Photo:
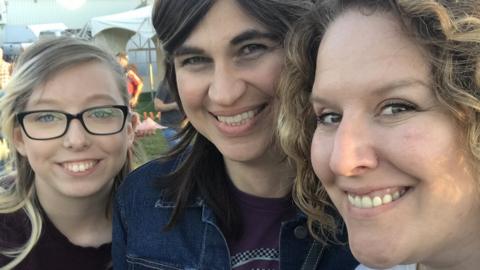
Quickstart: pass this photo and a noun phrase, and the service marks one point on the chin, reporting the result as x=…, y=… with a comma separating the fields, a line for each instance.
x=239, y=156
x=376, y=262
x=242, y=153
x=376, y=256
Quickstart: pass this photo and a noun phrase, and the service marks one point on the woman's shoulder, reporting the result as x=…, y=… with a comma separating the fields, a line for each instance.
x=146, y=180
x=15, y=228
x=151, y=171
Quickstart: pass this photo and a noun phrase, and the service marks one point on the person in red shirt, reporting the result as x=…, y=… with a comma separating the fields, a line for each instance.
x=134, y=82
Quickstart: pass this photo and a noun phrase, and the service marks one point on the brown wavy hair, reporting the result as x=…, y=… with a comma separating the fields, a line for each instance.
x=449, y=31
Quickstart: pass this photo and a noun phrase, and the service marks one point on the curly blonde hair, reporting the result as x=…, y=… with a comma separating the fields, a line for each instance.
x=450, y=33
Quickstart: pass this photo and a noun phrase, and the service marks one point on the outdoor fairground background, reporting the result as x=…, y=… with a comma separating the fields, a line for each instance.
x=153, y=145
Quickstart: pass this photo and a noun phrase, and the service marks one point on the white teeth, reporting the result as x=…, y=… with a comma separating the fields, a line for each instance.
x=79, y=166
x=368, y=202
x=377, y=201
x=238, y=119
x=387, y=198
x=357, y=200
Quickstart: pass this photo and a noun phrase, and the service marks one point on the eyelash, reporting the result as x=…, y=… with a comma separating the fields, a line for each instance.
x=46, y=117
x=253, y=48
x=194, y=60
x=403, y=106
x=250, y=50
x=321, y=118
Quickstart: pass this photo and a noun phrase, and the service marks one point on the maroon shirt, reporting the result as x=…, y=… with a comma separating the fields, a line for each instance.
x=258, y=248
x=53, y=250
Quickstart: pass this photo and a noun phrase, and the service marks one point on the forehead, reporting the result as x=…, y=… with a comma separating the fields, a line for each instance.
x=223, y=21
x=365, y=51
x=79, y=85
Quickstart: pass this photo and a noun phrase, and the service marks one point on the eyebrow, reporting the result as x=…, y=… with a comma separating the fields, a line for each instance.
x=382, y=90
x=56, y=102
x=186, y=50
x=252, y=34
x=240, y=38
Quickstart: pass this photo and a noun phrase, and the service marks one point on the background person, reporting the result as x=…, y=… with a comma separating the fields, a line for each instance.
x=225, y=203
x=170, y=115
x=134, y=82
x=65, y=116
x=380, y=109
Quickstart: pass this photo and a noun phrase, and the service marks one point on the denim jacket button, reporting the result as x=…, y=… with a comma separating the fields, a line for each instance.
x=300, y=232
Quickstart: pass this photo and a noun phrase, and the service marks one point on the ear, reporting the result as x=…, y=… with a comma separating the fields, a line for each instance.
x=18, y=141
x=129, y=125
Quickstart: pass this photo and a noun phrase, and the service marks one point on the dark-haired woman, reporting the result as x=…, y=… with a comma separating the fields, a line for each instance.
x=226, y=202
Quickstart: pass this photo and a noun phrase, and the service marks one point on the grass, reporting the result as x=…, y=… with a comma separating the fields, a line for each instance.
x=152, y=145
x=145, y=103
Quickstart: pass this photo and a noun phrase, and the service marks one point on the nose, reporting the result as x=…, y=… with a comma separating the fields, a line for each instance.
x=227, y=86
x=76, y=137
x=353, y=151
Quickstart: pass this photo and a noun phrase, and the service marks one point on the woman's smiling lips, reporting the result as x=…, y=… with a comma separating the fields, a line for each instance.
x=375, y=198
x=235, y=124
x=372, y=202
x=80, y=167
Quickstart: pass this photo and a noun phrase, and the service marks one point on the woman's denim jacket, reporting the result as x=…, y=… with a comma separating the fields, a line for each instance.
x=196, y=242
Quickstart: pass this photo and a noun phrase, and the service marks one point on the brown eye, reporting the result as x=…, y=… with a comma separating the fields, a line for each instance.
x=253, y=48
x=195, y=60
x=395, y=108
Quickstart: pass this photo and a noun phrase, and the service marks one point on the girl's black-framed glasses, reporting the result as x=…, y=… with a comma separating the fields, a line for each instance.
x=52, y=124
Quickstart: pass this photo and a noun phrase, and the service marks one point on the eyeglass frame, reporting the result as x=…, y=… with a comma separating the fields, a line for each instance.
x=125, y=110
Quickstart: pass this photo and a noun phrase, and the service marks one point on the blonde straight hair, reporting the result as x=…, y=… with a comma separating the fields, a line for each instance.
x=36, y=66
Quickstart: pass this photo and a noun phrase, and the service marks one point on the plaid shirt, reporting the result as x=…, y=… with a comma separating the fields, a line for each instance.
x=4, y=74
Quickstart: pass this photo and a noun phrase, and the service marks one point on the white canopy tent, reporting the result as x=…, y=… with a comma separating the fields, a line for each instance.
x=114, y=31
x=54, y=28
x=137, y=21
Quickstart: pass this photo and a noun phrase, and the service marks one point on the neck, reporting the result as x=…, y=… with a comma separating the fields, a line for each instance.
x=269, y=176
x=82, y=220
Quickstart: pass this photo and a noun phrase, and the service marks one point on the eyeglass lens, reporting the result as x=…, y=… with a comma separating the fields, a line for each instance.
x=51, y=124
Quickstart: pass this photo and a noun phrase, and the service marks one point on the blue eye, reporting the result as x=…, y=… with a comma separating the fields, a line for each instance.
x=328, y=119
x=102, y=113
x=47, y=117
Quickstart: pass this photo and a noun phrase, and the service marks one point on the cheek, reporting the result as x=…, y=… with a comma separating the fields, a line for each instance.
x=39, y=153
x=435, y=145
x=320, y=158
x=191, y=91
x=268, y=74
x=116, y=145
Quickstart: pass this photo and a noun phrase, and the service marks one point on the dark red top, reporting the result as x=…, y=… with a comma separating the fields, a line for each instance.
x=133, y=81
x=262, y=218
x=53, y=250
